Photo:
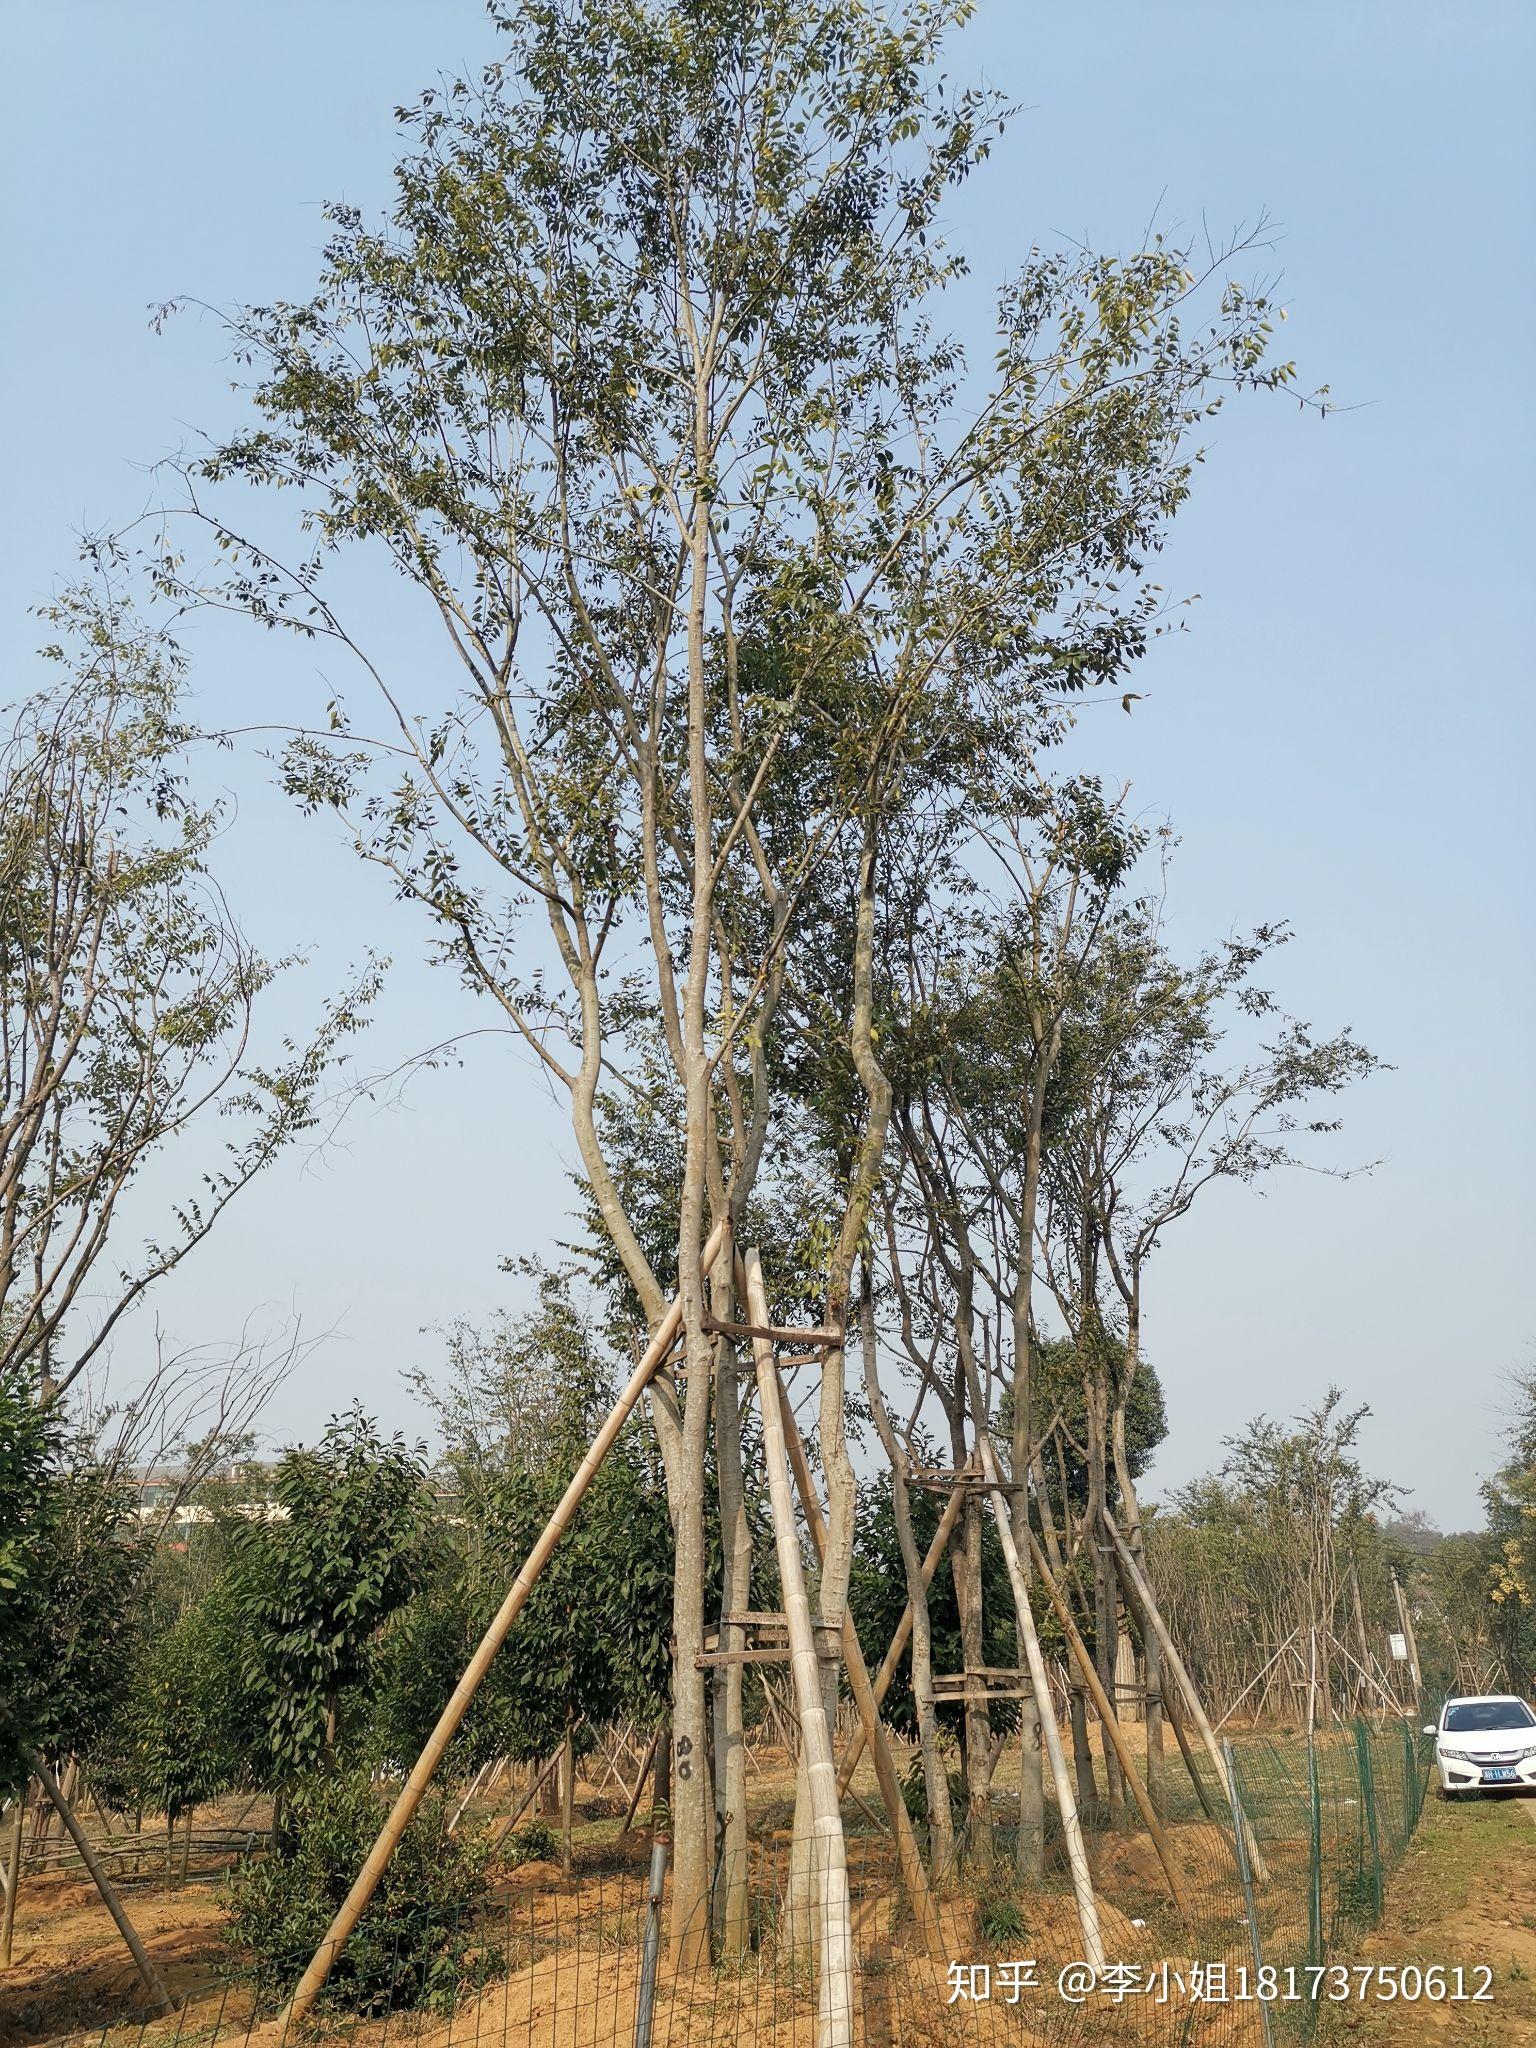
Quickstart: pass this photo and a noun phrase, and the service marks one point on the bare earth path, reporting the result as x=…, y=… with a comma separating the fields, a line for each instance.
x=1464, y=1894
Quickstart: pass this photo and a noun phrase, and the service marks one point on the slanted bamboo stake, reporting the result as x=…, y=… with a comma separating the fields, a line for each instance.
x=1367, y=1656
x=414, y=1789
x=634, y=1797
x=1111, y=1724
x=463, y=1806
x=1071, y=1827
x=103, y=1884
x=1177, y=1724
x=604, y=1756
x=914, y=1877
x=1186, y=1684
x=903, y=1635
x=836, y=1987
x=46, y=1824
x=1370, y=1678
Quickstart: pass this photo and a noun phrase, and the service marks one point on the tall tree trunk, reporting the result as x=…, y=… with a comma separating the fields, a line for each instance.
x=735, y=1598
x=1030, y=1851
x=837, y=1965
x=693, y=1807
x=965, y=1553
x=1082, y=1748
x=941, y=1825
x=800, y=1897
x=1106, y=1602
x=13, y=1862
x=693, y=1799
x=868, y=1164
x=1152, y=1656
x=966, y=1569
x=661, y=1781
x=567, y=1781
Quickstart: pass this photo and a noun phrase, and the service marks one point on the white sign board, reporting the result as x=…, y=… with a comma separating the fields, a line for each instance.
x=1399, y=1647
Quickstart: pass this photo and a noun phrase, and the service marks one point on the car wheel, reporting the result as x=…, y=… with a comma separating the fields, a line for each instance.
x=1445, y=1792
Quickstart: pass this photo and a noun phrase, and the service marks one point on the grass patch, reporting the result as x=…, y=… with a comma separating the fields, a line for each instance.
x=1464, y=1894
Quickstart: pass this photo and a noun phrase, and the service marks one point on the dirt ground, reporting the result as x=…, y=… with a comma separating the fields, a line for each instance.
x=1465, y=1894
x=70, y=1973
x=573, y=1955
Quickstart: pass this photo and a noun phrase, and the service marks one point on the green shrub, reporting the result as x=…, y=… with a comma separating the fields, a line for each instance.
x=416, y=1946
x=533, y=1843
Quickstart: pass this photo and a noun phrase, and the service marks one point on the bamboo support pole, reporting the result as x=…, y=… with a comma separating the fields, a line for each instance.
x=914, y=1876
x=414, y=1789
x=1176, y=1722
x=892, y=1658
x=1143, y=1592
x=836, y=1989
x=463, y=1806
x=634, y=1797
x=114, y=1905
x=1071, y=1826
x=1111, y=1725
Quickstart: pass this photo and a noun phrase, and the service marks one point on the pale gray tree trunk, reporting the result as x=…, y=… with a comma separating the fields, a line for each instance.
x=1152, y=1655
x=1106, y=1602
x=941, y=1826
x=966, y=1564
x=1030, y=1850
x=735, y=1598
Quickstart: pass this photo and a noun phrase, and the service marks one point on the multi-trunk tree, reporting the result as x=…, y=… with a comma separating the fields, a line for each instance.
x=641, y=391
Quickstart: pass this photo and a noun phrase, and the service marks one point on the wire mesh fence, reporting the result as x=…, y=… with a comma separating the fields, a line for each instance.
x=594, y=1960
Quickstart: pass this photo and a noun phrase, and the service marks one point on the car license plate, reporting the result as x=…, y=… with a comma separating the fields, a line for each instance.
x=1497, y=1777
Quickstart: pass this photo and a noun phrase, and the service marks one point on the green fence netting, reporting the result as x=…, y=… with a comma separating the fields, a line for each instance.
x=558, y=1962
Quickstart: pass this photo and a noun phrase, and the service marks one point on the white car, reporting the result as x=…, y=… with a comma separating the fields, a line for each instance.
x=1485, y=1741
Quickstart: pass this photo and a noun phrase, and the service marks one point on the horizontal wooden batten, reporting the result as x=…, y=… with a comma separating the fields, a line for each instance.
x=773, y=1333
x=985, y=1682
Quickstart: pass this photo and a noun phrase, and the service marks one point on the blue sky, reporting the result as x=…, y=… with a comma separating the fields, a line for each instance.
x=1343, y=739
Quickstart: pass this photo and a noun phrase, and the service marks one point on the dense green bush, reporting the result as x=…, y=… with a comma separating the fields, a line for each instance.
x=533, y=1842
x=315, y=1586
x=29, y=1450
x=69, y=1567
x=417, y=1945
x=180, y=1734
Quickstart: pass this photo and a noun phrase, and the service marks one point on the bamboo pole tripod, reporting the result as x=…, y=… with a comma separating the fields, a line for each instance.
x=837, y=1951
